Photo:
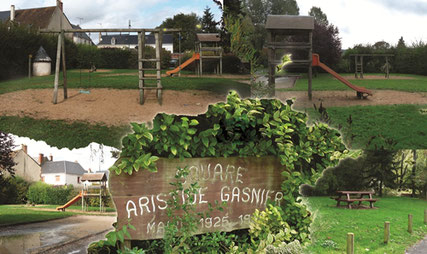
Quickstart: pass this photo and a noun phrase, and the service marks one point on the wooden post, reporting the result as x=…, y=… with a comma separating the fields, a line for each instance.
x=425, y=216
x=57, y=65
x=310, y=71
x=201, y=60
x=350, y=243
x=355, y=66
x=361, y=67
x=158, y=36
x=271, y=65
x=220, y=62
x=64, y=68
x=141, y=35
x=410, y=223
x=387, y=74
x=29, y=65
x=386, y=231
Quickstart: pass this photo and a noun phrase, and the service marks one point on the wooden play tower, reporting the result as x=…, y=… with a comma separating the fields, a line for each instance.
x=97, y=188
x=207, y=46
x=290, y=34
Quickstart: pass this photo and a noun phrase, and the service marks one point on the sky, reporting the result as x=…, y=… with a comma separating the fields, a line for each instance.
x=90, y=157
x=358, y=21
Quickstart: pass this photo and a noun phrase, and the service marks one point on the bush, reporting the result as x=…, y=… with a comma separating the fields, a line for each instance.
x=307, y=190
x=13, y=190
x=43, y=193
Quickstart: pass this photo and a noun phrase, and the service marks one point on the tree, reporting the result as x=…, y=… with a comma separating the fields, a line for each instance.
x=209, y=25
x=326, y=43
x=283, y=7
x=188, y=23
x=6, y=160
x=318, y=15
x=401, y=43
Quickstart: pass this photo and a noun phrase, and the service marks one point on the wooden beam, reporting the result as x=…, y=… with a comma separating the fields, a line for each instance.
x=64, y=67
x=57, y=65
x=111, y=30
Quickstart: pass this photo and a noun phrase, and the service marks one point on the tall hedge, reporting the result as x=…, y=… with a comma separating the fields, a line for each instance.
x=18, y=42
x=42, y=193
x=407, y=60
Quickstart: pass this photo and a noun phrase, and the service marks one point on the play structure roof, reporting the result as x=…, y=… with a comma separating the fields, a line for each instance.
x=290, y=22
x=94, y=177
x=209, y=37
x=67, y=167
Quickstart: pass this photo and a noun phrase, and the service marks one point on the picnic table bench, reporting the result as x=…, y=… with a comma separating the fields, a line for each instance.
x=355, y=196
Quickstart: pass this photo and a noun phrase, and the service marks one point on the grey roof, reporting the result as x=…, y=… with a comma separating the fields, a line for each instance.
x=4, y=16
x=67, y=167
x=127, y=39
x=83, y=36
x=290, y=22
x=42, y=56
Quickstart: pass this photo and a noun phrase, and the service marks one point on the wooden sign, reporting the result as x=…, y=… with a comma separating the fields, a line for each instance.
x=245, y=184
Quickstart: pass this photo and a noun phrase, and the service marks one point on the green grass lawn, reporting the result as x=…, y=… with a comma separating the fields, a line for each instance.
x=405, y=124
x=14, y=214
x=17, y=214
x=331, y=225
x=325, y=82
x=76, y=207
x=118, y=79
x=63, y=134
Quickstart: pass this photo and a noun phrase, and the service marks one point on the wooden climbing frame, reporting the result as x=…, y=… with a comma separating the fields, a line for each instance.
x=358, y=63
x=143, y=79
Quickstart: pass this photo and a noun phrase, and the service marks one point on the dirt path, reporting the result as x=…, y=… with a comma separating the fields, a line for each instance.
x=118, y=107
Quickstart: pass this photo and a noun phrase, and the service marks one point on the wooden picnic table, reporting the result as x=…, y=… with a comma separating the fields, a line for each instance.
x=355, y=196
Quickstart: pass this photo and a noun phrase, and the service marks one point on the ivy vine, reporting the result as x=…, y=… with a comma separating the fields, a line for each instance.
x=241, y=127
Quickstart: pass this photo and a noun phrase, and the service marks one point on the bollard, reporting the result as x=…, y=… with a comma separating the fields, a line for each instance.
x=386, y=231
x=350, y=243
x=410, y=223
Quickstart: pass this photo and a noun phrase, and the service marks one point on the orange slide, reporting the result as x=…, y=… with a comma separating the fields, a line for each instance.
x=361, y=91
x=72, y=201
x=195, y=57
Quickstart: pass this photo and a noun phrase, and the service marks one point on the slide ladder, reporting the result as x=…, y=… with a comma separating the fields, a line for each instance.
x=72, y=201
x=361, y=91
x=196, y=56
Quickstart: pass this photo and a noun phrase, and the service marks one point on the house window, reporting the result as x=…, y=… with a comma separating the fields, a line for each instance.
x=78, y=179
x=57, y=178
x=113, y=41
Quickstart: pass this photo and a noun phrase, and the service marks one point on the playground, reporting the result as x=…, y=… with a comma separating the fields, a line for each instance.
x=118, y=106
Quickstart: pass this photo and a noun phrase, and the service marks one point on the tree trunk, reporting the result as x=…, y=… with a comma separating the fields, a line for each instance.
x=414, y=167
x=381, y=188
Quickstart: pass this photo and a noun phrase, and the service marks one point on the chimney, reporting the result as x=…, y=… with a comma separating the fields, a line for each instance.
x=51, y=157
x=40, y=158
x=60, y=5
x=25, y=148
x=12, y=13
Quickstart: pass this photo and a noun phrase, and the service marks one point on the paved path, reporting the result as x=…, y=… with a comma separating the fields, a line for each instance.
x=76, y=232
x=419, y=248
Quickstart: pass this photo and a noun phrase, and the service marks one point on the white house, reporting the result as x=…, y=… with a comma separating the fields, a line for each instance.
x=131, y=41
x=62, y=173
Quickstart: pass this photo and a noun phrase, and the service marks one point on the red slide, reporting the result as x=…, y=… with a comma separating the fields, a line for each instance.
x=360, y=90
x=195, y=57
x=72, y=201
